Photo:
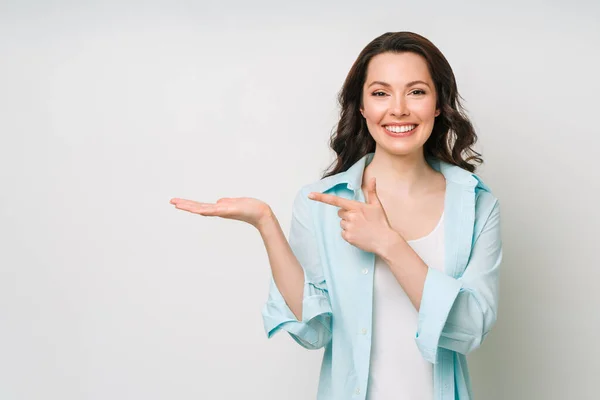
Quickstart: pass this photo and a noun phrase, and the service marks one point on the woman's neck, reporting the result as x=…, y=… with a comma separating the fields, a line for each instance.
x=405, y=175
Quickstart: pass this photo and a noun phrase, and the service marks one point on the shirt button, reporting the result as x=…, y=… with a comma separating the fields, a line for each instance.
x=357, y=391
x=365, y=271
x=363, y=331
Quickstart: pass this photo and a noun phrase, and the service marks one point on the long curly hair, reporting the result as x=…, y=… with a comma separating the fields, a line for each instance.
x=452, y=136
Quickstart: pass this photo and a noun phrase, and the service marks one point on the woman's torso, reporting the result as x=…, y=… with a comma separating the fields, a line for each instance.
x=397, y=369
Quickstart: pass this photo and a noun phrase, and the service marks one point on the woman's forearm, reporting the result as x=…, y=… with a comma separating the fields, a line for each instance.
x=406, y=265
x=286, y=269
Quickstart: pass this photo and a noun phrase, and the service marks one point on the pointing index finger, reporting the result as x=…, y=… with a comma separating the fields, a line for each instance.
x=331, y=199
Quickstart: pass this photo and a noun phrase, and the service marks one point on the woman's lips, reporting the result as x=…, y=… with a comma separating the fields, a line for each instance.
x=400, y=134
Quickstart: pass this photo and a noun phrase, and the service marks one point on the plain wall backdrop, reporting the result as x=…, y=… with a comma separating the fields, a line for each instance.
x=110, y=109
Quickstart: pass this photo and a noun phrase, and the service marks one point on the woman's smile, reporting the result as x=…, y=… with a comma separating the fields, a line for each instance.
x=400, y=131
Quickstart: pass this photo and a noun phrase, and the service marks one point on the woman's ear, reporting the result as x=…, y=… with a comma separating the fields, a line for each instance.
x=437, y=112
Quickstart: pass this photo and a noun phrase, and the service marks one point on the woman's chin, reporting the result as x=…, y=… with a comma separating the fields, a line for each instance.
x=402, y=149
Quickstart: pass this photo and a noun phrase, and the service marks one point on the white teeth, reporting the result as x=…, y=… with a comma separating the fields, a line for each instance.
x=400, y=129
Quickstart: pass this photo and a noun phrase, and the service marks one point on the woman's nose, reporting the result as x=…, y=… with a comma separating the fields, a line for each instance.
x=399, y=106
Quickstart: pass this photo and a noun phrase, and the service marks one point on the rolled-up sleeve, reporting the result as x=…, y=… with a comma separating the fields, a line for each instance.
x=458, y=313
x=314, y=331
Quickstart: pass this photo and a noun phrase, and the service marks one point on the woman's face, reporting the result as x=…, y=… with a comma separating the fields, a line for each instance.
x=398, y=94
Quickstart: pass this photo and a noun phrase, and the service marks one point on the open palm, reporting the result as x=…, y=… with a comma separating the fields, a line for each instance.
x=246, y=209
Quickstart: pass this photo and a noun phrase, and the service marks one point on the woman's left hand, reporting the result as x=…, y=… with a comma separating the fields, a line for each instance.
x=364, y=225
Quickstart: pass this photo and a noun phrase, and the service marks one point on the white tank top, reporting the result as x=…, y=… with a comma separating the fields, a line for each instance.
x=397, y=370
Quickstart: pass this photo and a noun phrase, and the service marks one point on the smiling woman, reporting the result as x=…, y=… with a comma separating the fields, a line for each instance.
x=393, y=256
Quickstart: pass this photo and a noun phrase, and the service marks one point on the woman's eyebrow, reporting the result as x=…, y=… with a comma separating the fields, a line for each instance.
x=409, y=84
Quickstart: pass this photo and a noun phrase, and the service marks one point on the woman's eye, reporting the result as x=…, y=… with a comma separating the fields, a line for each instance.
x=418, y=91
x=376, y=94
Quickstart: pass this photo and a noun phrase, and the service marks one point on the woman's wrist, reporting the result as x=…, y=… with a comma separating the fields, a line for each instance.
x=390, y=243
x=266, y=221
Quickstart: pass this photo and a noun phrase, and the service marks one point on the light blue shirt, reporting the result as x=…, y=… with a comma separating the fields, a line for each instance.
x=458, y=308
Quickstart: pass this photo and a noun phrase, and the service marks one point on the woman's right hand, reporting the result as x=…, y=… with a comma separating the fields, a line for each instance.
x=246, y=209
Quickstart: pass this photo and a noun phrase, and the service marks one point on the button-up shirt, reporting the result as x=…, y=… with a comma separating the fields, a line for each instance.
x=458, y=306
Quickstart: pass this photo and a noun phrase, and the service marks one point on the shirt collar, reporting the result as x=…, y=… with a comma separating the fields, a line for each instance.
x=353, y=176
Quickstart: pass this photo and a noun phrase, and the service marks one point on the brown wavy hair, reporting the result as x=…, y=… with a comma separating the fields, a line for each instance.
x=452, y=136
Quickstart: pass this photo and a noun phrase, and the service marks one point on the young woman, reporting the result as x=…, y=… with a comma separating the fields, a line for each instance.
x=393, y=257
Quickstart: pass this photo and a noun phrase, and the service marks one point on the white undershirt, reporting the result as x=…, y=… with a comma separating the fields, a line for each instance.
x=397, y=370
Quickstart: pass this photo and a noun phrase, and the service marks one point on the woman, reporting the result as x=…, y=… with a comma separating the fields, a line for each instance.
x=393, y=257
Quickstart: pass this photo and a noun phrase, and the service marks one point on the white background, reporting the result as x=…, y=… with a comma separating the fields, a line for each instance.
x=110, y=109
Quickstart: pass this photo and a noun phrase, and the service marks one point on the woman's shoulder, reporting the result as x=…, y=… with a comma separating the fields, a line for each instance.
x=487, y=205
x=486, y=202
x=483, y=193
